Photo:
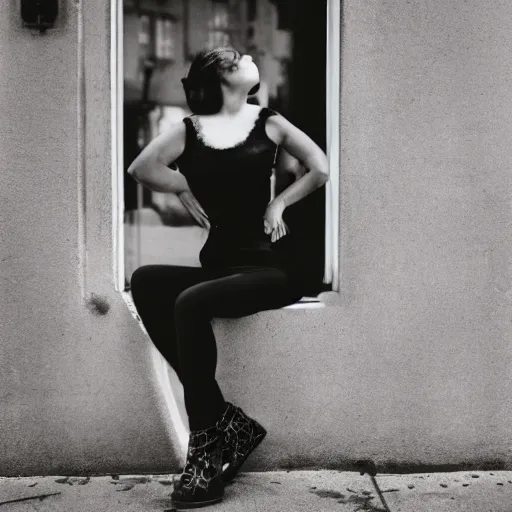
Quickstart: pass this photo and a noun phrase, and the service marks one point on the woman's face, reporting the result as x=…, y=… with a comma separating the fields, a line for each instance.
x=241, y=71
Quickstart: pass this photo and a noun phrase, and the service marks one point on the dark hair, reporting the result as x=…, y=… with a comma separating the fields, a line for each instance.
x=202, y=84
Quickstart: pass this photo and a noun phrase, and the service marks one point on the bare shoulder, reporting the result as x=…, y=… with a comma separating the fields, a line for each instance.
x=278, y=127
x=297, y=143
x=170, y=144
x=274, y=126
x=175, y=131
x=164, y=149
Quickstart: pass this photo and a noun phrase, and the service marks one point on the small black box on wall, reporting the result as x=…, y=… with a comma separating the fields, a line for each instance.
x=39, y=14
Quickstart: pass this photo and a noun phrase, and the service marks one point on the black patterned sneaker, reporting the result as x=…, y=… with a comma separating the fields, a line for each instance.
x=200, y=484
x=241, y=436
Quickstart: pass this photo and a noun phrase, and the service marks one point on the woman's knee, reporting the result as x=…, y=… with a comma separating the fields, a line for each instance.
x=186, y=304
x=138, y=278
x=143, y=278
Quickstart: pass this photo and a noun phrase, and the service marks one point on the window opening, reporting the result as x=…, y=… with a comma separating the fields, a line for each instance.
x=157, y=41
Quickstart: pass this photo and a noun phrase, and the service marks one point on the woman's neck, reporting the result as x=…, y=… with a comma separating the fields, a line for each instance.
x=233, y=102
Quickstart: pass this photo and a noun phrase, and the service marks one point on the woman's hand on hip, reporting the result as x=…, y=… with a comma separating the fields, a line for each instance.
x=273, y=220
x=195, y=209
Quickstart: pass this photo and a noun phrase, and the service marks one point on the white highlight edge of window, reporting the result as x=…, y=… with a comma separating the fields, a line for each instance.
x=333, y=106
x=116, y=102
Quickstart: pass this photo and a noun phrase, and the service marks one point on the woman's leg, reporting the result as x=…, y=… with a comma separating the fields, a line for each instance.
x=239, y=294
x=155, y=289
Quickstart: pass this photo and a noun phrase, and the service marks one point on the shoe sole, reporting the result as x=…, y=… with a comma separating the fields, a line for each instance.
x=196, y=504
x=231, y=472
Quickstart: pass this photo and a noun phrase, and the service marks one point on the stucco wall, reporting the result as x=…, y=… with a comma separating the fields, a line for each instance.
x=78, y=390
x=410, y=364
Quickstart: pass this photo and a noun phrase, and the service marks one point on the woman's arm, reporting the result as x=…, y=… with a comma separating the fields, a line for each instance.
x=306, y=151
x=287, y=170
x=150, y=168
x=309, y=155
x=172, y=211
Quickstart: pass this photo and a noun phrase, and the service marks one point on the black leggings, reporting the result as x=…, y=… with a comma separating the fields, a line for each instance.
x=176, y=305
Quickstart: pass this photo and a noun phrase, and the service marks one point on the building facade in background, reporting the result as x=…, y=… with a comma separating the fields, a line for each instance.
x=165, y=35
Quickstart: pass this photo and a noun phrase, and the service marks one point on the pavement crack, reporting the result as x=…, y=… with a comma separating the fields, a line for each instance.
x=25, y=498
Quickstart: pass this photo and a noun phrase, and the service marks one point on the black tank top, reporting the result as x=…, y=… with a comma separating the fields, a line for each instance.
x=233, y=187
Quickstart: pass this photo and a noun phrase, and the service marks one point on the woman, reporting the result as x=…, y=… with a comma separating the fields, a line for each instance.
x=225, y=153
x=184, y=210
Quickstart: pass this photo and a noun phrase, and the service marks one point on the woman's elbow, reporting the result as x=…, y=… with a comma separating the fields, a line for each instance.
x=322, y=177
x=137, y=172
x=321, y=167
x=132, y=170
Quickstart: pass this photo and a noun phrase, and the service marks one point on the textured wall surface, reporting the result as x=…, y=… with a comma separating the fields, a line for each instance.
x=77, y=388
x=410, y=365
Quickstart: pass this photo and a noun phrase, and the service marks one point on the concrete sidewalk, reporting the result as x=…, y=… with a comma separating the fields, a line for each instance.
x=301, y=491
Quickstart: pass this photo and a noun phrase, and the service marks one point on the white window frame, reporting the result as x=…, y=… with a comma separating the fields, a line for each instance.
x=116, y=101
x=333, y=115
x=333, y=105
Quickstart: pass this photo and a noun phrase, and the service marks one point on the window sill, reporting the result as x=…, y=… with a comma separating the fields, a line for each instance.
x=306, y=303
